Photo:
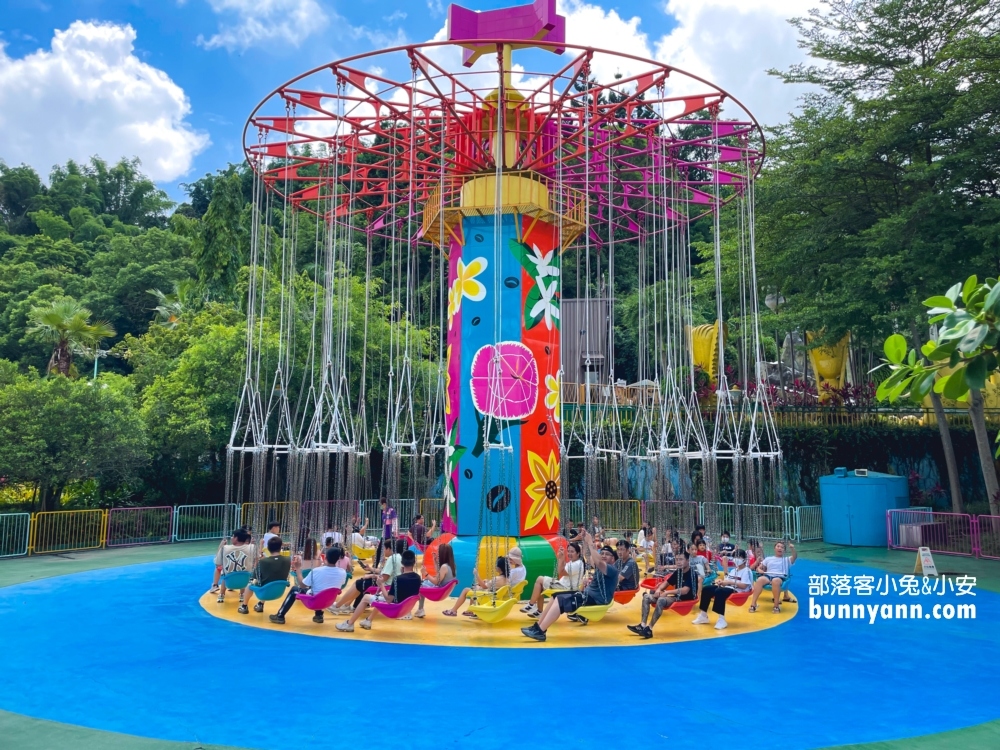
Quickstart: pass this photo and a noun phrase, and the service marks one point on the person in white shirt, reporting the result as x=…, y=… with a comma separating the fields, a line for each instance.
x=569, y=569
x=238, y=557
x=738, y=579
x=775, y=570
x=328, y=576
x=273, y=530
x=518, y=572
x=358, y=538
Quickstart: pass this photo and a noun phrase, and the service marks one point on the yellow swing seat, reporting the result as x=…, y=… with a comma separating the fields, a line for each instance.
x=490, y=612
x=593, y=612
x=518, y=590
x=487, y=597
x=363, y=553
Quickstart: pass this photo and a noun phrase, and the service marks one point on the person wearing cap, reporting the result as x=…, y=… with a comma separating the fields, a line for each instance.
x=518, y=572
x=599, y=591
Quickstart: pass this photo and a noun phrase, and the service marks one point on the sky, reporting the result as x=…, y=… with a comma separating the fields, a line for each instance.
x=173, y=81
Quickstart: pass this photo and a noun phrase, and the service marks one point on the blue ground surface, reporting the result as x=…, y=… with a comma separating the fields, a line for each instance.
x=130, y=650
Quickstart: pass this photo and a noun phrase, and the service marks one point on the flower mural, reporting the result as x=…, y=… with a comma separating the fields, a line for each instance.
x=546, y=304
x=552, y=396
x=504, y=382
x=543, y=491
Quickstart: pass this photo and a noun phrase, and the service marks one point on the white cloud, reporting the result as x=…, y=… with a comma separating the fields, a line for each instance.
x=251, y=22
x=732, y=43
x=89, y=94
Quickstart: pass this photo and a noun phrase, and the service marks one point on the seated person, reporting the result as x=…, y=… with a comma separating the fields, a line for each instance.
x=445, y=572
x=402, y=587
x=700, y=530
x=600, y=591
x=666, y=557
x=738, y=579
x=628, y=571
x=685, y=586
x=389, y=568
x=726, y=547
x=498, y=581
x=569, y=568
x=274, y=567
x=596, y=530
x=309, y=559
x=418, y=532
x=327, y=576
x=273, y=530
x=646, y=542
x=358, y=538
x=699, y=563
x=518, y=572
x=237, y=556
x=578, y=533
x=775, y=570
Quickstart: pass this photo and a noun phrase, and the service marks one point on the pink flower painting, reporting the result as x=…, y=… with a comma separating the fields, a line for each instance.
x=505, y=380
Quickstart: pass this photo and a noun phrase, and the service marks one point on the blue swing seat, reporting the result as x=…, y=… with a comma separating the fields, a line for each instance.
x=237, y=580
x=270, y=591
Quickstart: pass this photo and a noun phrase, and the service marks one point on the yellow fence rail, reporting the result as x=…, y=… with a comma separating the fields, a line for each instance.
x=68, y=531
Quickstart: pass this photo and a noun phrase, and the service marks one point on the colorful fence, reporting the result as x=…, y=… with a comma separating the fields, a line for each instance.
x=259, y=516
x=67, y=530
x=195, y=523
x=758, y=521
x=945, y=533
x=131, y=527
x=15, y=534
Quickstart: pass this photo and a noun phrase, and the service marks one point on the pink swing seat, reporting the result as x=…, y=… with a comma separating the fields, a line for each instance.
x=395, y=610
x=437, y=593
x=317, y=602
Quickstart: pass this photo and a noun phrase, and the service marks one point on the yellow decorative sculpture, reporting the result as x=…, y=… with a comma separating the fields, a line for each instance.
x=705, y=348
x=829, y=364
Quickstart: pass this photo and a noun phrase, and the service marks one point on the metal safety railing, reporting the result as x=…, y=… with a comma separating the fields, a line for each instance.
x=15, y=534
x=67, y=530
x=678, y=515
x=757, y=521
x=131, y=527
x=945, y=533
x=195, y=523
x=808, y=523
x=432, y=509
x=988, y=534
x=259, y=516
x=406, y=509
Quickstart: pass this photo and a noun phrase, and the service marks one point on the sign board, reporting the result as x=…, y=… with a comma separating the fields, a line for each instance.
x=925, y=563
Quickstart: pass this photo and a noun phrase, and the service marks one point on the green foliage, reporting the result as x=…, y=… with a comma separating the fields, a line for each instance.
x=67, y=326
x=225, y=235
x=885, y=184
x=56, y=430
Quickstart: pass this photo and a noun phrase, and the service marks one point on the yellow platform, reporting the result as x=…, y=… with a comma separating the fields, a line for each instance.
x=437, y=630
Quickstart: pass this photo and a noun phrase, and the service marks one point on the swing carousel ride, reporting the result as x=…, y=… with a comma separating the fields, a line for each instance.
x=433, y=289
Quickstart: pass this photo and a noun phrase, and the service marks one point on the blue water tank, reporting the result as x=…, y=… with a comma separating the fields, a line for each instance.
x=854, y=506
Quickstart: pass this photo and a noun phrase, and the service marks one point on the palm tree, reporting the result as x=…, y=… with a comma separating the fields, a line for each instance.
x=67, y=325
x=185, y=298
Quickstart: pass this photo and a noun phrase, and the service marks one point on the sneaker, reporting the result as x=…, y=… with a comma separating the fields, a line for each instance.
x=637, y=629
x=647, y=632
x=536, y=614
x=582, y=620
x=221, y=599
x=346, y=609
x=419, y=613
x=701, y=619
x=529, y=608
x=534, y=632
x=573, y=618
x=721, y=623
x=214, y=589
x=366, y=624
x=406, y=617
x=344, y=627
x=277, y=619
x=243, y=610
x=258, y=607
x=318, y=617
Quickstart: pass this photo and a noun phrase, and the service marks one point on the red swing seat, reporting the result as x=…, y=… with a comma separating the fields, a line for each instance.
x=683, y=608
x=624, y=597
x=739, y=598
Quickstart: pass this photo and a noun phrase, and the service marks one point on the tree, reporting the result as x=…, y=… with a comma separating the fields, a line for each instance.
x=67, y=325
x=220, y=253
x=56, y=430
x=957, y=364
